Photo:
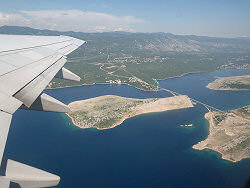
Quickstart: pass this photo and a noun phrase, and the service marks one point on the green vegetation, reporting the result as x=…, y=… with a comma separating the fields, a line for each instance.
x=238, y=86
x=138, y=59
x=244, y=111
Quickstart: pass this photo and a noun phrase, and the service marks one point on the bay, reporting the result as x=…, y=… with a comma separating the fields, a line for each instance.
x=149, y=150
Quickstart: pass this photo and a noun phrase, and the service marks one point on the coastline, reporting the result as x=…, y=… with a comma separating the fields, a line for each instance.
x=201, y=144
x=166, y=78
x=112, y=126
x=227, y=89
x=152, y=106
x=157, y=80
x=160, y=79
x=124, y=118
x=206, y=144
x=206, y=150
x=178, y=142
x=221, y=83
x=99, y=84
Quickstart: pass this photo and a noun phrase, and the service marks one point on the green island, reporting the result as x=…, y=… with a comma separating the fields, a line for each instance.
x=108, y=111
x=140, y=59
x=229, y=134
x=231, y=83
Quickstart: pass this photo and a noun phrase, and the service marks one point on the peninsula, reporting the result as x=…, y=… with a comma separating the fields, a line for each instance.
x=229, y=134
x=108, y=111
x=231, y=83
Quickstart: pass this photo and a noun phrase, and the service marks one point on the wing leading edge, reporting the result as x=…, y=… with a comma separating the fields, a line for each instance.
x=27, y=65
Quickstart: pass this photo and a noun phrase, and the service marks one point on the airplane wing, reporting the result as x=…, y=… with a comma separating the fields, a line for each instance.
x=27, y=65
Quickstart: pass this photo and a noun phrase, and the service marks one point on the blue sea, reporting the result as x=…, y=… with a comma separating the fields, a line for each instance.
x=147, y=151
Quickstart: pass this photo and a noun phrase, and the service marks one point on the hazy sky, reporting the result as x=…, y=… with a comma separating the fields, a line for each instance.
x=226, y=18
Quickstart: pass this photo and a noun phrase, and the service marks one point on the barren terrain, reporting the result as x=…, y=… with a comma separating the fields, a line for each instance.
x=231, y=83
x=108, y=111
x=229, y=134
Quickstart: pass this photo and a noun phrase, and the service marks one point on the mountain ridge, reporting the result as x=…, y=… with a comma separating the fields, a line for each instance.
x=146, y=41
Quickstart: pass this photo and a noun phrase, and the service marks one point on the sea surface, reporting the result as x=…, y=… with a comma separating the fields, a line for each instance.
x=147, y=151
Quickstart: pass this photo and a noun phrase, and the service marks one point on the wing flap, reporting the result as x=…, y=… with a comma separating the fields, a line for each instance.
x=30, y=92
x=9, y=104
x=14, y=81
x=26, y=176
x=67, y=75
x=4, y=182
x=28, y=64
x=47, y=103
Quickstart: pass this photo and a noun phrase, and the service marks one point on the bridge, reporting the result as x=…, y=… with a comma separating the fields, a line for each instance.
x=208, y=107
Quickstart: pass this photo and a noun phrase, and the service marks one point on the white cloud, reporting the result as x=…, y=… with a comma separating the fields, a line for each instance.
x=65, y=20
x=4, y=17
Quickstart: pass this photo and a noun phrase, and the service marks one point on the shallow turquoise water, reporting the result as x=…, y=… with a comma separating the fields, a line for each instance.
x=149, y=150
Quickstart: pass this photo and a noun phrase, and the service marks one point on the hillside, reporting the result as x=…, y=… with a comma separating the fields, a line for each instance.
x=138, y=59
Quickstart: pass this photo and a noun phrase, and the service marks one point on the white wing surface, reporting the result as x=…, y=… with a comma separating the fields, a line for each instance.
x=27, y=65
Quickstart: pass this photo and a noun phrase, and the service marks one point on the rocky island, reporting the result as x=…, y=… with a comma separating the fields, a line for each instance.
x=231, y=83
x=108, y=111
x=187, y=125
x=229, y=134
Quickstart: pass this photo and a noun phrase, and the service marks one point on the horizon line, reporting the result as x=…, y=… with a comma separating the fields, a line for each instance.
x=129, y=32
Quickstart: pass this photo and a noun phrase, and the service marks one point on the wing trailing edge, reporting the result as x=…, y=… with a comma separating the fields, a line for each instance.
x=67, y=75
x=27, y=65
x=25, y=176
x=47, y=103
